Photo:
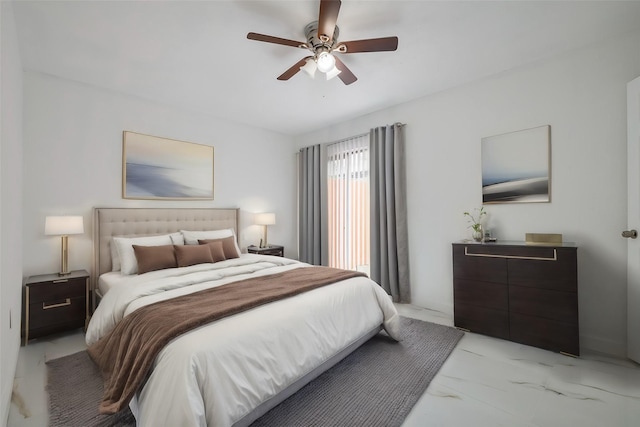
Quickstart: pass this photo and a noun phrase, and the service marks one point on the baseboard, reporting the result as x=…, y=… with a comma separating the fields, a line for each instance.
x=603, y=345
x=436, y=306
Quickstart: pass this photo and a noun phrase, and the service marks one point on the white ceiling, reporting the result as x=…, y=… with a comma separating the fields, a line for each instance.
x=195, y=55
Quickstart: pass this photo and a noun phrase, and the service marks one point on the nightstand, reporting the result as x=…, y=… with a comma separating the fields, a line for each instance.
x=54, y=303
x=276, y=250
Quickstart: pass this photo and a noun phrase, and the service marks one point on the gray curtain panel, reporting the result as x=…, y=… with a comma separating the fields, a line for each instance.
x=312, y=198
x=389, y=235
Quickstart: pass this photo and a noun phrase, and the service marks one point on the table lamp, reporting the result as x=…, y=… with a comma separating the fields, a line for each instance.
x=63, y=226
x=265, y=219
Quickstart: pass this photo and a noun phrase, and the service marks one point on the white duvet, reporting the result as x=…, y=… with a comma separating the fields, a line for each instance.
x=217, y=374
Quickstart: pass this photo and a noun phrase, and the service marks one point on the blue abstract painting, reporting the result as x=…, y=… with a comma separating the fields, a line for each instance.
x=516, y=167
x=162, y=168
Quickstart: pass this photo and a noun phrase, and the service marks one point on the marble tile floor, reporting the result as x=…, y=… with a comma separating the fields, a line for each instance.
x=485, y=382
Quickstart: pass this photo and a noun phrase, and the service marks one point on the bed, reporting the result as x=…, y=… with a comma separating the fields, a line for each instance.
x=233, y=370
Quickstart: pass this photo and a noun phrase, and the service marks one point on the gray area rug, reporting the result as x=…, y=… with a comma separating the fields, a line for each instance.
x=376, y=385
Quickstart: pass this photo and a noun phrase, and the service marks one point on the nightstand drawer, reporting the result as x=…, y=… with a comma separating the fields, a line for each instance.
x=57, y=290
x=275, y=250
x=56, y=312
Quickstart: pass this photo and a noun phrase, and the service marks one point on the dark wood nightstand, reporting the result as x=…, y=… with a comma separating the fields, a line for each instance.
x=54, y=303
x=276, y=250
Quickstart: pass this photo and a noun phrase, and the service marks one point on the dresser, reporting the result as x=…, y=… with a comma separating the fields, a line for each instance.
x=519, y=292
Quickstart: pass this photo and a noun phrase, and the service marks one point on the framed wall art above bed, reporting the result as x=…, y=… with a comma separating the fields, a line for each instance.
x=165, y=169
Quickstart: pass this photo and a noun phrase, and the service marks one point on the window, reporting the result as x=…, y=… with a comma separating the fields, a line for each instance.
x=348, y=203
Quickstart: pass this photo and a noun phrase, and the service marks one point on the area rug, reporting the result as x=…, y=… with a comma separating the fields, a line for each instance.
x=377, y=385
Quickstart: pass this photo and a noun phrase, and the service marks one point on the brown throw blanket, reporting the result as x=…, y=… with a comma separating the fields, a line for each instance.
x=126, y=354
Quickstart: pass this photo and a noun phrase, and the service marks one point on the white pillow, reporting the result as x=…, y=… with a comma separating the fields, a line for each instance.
x=192, y=237
x=115, y=258
x=177, y=238
x=126, y=257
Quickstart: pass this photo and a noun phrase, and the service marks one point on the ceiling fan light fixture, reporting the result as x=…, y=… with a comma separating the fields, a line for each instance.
x=322, y=40
x=332, y=73
x=325, y=61
x=310, y=67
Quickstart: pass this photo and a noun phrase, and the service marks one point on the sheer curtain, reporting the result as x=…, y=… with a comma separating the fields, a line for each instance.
x=389, y=235
x=348, y=203
x=312, y=198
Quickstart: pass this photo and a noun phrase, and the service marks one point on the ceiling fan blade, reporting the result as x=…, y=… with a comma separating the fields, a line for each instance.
x=276, y=40
x=368, y=45
x=293, y=70
x=346, y=75
x=327, y=19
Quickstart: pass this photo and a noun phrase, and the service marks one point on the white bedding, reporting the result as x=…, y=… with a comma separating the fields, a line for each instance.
x=111, y=279
x=217, y=374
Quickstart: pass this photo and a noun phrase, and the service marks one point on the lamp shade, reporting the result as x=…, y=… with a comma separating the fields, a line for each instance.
x=265, y=219
x=310, y=67
x=332, y=73
x=63, y=225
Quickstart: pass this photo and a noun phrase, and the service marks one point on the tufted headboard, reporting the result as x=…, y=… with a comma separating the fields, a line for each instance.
x=131, y=222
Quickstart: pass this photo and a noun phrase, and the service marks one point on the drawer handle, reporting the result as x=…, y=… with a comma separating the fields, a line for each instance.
x=555, y=256
x=62, y=304
x=61, y=281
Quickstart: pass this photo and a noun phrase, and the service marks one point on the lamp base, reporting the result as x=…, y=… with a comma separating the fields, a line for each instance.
x=264, y=244
x=64, y=257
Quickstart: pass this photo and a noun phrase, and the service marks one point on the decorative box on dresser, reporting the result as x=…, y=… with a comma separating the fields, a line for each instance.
x=54, y=303
x=519, y=292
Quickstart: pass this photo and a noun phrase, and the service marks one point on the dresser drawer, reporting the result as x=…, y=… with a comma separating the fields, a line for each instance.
x=484, y=294
x=482, y=320
x=57, y=290
x=545, y=333
x=467, y=265
x=560, y=274
x=552, y=305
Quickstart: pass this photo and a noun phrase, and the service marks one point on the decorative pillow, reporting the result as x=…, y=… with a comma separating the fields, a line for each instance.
x=174, y=238
x=151, y=258
x=187, y=255
x=217, y=251
x=229, y=246
x=124, y=245
x=192, y=237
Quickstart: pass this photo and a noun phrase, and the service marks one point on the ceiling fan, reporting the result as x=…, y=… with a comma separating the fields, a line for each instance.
x=322, y=41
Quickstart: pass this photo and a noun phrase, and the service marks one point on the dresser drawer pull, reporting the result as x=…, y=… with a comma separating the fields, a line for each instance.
x=62, y=304
x=554, y=258
x=61, y=281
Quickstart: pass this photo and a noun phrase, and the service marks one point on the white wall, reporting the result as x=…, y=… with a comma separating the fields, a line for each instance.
x=73, y=162
x=582, y=96
x=10, y=205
